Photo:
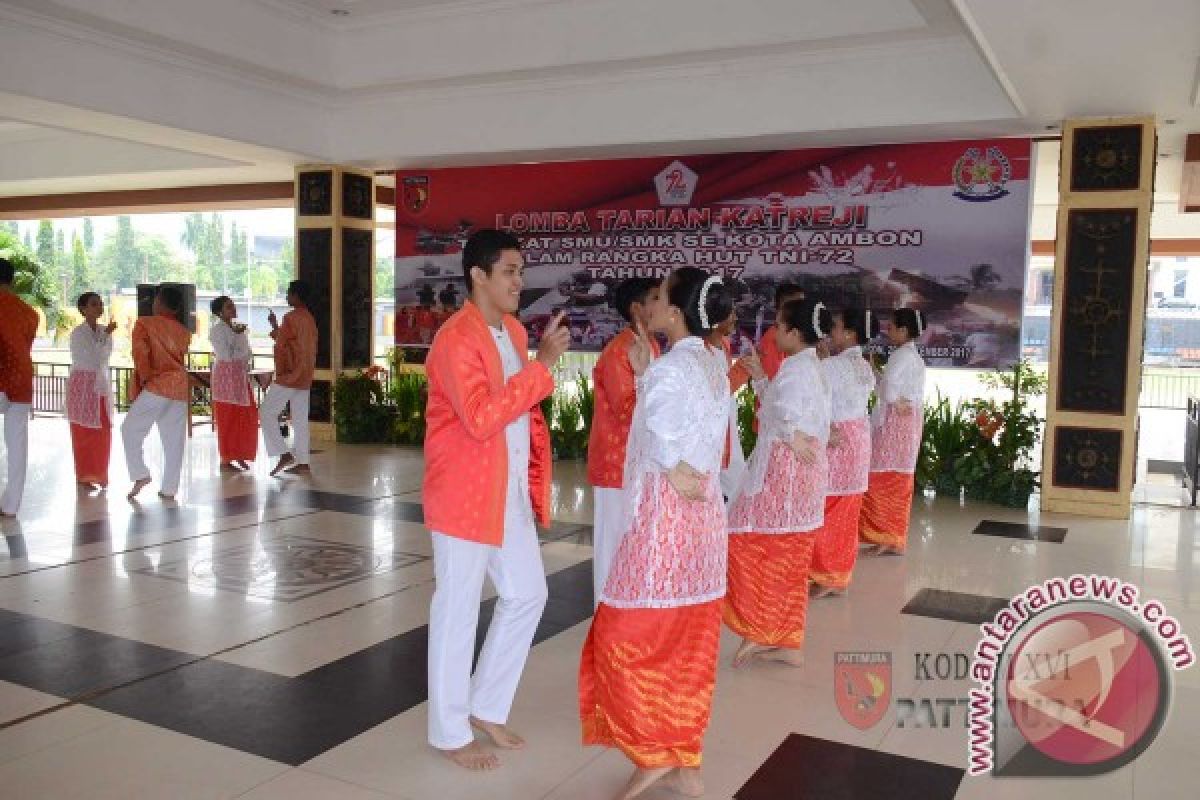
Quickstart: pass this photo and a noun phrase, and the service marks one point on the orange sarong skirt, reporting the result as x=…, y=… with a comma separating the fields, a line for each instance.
x=92, y=447
x=886, y=508
x=237, y=431
x=766, y=600
x=837, y=542
x=646, y=681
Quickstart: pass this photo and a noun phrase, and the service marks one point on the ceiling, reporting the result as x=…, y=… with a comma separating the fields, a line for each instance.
x=129, y=93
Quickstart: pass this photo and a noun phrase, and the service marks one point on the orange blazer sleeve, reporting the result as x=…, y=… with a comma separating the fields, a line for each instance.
x=484, y=410
x=141, y=353
x=620, y=386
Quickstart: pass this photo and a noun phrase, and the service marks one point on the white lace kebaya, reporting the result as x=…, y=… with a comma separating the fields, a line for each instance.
x=673, y=551
x=89, y=382
x=782, y=494
x=851, y=381
x=896, y=437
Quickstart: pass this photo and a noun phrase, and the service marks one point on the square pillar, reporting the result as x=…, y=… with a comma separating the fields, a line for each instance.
x=1097, y=323
x=335, y=255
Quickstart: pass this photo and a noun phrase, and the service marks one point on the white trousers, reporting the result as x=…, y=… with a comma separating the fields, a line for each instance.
x=171, y=418
x=16, y=446
x=459, y=567
x=606, y=535
x=268, y=415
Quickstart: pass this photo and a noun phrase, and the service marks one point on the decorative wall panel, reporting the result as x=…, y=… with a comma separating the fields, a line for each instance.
x=314, y=194
x=356, y=296
x=1087, y=458
x=356, y=196
x=1097, y=300
x=314, y=264
x=1107, y=158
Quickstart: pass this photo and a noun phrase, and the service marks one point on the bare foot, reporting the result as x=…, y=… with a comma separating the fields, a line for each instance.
x=138, y=485
x=501, y=735
x=819, y=591
x=243, y=464
x=228, y=467
x=642, y=780
x=782, y=655
x=747, y=653
x=887, y=550
x=685, y=781
x=7, y=515
x=285, y=460
x=474, y=757
x=166, y=496
x=300, y=469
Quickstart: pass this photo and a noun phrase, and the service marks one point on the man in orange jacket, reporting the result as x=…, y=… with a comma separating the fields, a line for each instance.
x=18, y=328
x=487, y=473
x=616, y=394
x=163, y=390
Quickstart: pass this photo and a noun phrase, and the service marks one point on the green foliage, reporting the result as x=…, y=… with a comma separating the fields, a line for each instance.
x=408, y=394
x=81, y=276
x=89, y=235
x=128, y=258
x=745, y=419
x=359, y=414
x=948, y=436
x=33, y=282
x=983, y=446
x=45, y=244
x=385, y=276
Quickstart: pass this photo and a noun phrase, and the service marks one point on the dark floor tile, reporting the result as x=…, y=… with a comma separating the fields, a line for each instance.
x=806, y=768
x=290, y=720
x=1018, y=530
x=83, y=661
x=975, y=609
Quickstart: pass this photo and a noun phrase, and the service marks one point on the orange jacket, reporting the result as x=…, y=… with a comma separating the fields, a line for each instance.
x=616, y=394
x=160, y=348
x=296, y=349
x=470, y=404
x=18, y=328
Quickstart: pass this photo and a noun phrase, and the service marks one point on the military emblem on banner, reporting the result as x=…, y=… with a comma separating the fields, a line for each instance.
x=862, y=687
x=981, y=175
x=415, y=193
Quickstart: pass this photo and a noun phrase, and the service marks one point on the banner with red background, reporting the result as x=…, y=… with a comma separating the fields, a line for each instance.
x=938, y=226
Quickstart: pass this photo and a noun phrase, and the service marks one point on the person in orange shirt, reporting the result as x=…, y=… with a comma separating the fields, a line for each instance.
x=487, y=475
x=161, y=384
x=295, y=361
x=18, y=328
x=615, y=396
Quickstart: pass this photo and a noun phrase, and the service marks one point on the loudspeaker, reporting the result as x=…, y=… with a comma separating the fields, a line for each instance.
x=186, y=317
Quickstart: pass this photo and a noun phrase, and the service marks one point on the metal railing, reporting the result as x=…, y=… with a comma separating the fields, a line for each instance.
x=1169, y=388
x=1191, y=447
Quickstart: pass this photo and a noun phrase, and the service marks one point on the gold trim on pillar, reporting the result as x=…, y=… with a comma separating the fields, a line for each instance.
x=1102, y=248
x=335, y=205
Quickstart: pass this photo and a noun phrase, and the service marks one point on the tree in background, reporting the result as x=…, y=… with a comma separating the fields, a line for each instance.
x=45, y=245
x=32, y=282
x=89, y=236
x=127, y=258
x=10, y=226
x=385, y=276
x=81, y=276
x=28, y=241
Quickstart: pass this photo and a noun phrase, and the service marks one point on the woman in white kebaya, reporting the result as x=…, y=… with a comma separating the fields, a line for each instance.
x=649, y=666
x=774, y=518
x=851, y=381
x=896, y=424
x=89, y=393
x=234, y=414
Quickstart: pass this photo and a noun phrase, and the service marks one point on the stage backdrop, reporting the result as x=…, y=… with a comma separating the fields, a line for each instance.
x=939, y=226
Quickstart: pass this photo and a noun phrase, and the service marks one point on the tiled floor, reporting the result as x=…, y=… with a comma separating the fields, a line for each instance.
x=265, y=638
